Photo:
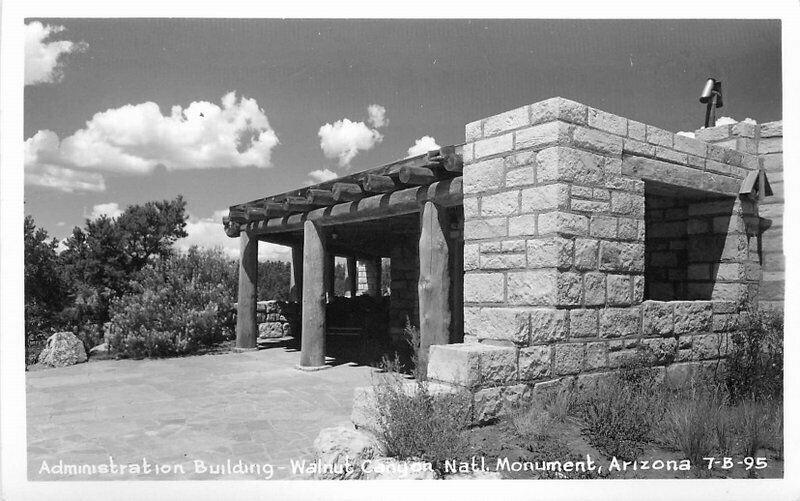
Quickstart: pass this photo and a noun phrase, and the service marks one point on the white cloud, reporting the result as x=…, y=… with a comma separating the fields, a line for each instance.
x=208, y=232
x=42, y=58
x=684, y=133
x=377, y=116
x=343, y=139
x=322, y=175
x=110, y=209
x=423, y=145
x=135, y=139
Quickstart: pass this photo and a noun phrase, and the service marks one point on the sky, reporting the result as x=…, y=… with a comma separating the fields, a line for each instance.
x=124, y=111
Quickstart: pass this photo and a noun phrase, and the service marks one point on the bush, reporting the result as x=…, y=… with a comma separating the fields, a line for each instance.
x=536, y=421
x=697, y=426
x=752, y=420
x=416, y=423
x=620, y=414
x=179, y=304
x=755, y=364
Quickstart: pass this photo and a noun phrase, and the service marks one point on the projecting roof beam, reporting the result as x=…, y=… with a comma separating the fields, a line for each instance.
x=343, y=192
x=378, y=184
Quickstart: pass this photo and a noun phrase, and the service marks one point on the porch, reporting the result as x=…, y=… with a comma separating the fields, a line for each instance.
x=407, y=215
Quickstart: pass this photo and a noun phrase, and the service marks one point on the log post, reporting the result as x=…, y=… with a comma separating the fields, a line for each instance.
x=312, y=344
x=330, y=276
x=352, y=276
x=457, y=278
x=373, y=270
x=296, y=284
x=246, y=328
x=434, y=280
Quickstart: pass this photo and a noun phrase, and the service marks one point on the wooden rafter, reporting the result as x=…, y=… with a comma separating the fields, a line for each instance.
x=420, y=171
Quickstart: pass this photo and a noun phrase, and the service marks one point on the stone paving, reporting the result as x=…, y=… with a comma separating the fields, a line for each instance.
x=252, y=406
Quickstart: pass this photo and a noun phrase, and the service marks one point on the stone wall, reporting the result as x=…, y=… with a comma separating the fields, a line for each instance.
x=766, y=141
x=555, y=254
x=276, y=320
x=770, y=149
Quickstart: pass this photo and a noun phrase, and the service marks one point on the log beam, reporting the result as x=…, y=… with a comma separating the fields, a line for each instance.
x=298, y=204
x=434, y=280
x=445, y=193
x=343, y=192
x=379, y=184
x=246, y=328
x=417, y=175
x=312, y=343
x=320, y=197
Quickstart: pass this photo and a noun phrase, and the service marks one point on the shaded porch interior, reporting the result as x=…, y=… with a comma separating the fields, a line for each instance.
x=406, y=216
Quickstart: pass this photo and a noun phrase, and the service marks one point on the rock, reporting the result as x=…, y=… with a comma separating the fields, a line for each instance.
x=339, y=452
x=99, y=351
x=62, y=349
x=271, y=306
x=395, y=469
x=269, y=330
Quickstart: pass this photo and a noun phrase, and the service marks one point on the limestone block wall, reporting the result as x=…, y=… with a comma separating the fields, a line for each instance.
x=766, y=141
x=277, y=319
x=770, y=149
x=555, y=258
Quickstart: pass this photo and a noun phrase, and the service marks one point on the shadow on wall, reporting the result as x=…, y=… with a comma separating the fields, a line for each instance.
x=690, y=235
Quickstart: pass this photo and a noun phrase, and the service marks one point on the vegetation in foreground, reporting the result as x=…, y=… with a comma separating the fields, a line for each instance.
x=632, y=415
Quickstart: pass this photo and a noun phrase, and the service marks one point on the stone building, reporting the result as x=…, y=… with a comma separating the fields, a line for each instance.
x=554, y=243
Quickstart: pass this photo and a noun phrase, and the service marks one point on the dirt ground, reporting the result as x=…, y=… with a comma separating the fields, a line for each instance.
x=566, y=442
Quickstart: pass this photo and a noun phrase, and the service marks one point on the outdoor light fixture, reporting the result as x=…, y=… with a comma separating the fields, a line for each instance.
x=712, y=98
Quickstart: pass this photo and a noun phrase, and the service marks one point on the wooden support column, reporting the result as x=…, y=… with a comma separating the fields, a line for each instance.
x=434, y=280
x=296, y=285
x=312, y=344
x=246, y=328
x=457, y=276
x=330, y=276
x=352, y=276
x=373, y=270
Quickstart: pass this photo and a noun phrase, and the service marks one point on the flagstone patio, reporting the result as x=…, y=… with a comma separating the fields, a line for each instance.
x=252, y=406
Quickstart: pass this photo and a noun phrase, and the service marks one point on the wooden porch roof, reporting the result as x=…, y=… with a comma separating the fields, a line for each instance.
x=393, y=189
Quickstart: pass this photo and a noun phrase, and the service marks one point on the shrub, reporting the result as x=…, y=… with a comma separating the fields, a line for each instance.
x=752, y=421
x=620, y=414
x=418, y=423
x=755, y=364
x=536, y=421
x=695, y=425
x=177, y=306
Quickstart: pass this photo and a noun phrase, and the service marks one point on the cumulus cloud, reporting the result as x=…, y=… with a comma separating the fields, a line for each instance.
x=135, y=139
x=322, y=175
x=208, y=232
x=343, y=139
x=42, y=58
x=377, y=116
x=110, y=209
x=423, y=145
